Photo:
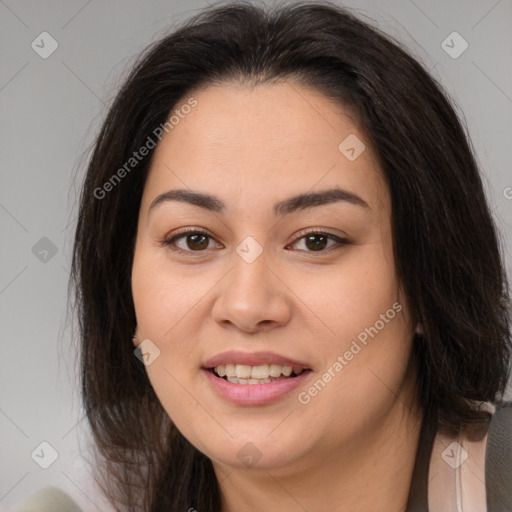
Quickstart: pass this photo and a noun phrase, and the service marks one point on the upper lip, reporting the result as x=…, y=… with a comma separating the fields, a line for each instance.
x=252, y=359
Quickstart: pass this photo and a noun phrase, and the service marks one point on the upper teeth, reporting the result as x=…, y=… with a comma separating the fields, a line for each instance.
x=263, y=371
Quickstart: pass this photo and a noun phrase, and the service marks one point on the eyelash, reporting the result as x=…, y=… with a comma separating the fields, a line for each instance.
x=169, y=242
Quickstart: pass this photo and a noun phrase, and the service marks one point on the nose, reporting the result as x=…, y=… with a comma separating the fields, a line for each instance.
x=252, y=297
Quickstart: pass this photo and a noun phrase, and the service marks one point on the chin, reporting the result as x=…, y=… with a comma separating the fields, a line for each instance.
x=254, y=452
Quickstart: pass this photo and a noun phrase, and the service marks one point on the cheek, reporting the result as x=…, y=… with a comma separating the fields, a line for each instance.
x=182, y=402
x=364, y=371
x=161, y=295
x=354, y=294
x=167, y=303
x=365, y=350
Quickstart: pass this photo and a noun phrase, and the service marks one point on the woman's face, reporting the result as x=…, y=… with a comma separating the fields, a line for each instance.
x=258, y=171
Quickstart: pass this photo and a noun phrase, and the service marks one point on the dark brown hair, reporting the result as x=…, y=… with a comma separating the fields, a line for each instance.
x=445, y=243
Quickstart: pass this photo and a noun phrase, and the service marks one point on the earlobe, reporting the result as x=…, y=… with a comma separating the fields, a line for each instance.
x=135, y=341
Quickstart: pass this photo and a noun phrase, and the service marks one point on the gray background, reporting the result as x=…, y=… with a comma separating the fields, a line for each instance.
x=51, y=110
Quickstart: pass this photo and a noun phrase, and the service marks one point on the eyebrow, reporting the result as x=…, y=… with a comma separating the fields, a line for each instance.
x=282, y=208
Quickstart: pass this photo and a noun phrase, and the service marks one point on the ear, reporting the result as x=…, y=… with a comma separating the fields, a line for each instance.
x=135, y=338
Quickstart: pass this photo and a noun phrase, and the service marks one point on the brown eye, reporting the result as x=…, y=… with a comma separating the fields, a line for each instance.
x=197, y=241
x=189, y=241
x=316, y=242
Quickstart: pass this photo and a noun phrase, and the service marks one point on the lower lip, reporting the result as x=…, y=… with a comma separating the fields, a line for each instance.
x=254, y=394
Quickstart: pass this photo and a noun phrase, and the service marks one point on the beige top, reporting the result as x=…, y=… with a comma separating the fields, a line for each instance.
x=457, y=473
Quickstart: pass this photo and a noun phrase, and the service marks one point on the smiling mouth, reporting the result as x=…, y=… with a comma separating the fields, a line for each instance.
x=260, y=374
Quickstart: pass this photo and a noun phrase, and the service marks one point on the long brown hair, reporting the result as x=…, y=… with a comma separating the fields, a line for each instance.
x=446, y=247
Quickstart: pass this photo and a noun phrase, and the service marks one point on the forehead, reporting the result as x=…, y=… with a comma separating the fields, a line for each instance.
x=266, y=141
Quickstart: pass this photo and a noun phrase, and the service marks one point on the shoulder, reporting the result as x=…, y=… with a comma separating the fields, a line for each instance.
x=473, y=474
x=498, y=460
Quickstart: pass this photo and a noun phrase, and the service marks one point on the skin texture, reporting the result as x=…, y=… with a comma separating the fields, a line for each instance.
x=355, y=442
